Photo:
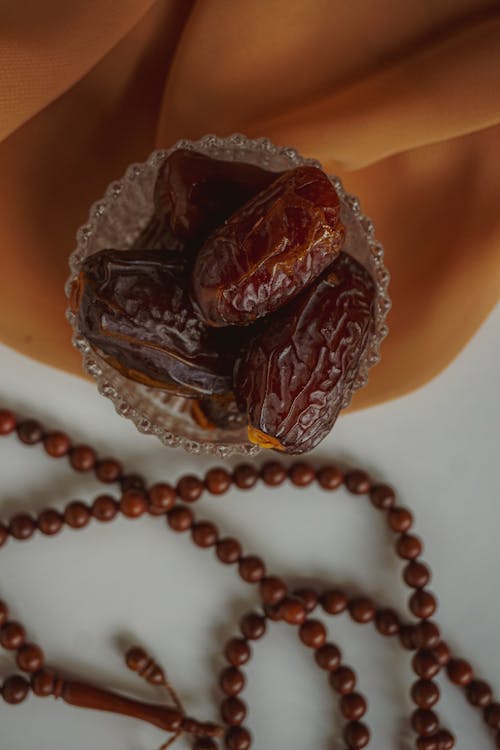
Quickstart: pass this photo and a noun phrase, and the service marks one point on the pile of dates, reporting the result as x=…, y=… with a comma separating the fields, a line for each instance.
x=236, y=295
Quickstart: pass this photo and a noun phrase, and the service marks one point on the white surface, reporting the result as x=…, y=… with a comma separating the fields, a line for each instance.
x=82, y=594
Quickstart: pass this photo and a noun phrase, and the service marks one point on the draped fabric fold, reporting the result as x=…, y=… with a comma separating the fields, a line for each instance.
x=402, y=100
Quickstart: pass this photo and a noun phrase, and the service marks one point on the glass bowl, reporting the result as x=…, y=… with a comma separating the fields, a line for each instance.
x=116, y=220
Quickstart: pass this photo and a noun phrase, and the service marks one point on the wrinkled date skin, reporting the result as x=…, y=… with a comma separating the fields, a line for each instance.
x=133, y=307
x=194, y=194
x=293, y=377
x=269, y=250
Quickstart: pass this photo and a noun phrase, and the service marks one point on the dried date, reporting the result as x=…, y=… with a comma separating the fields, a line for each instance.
x=292, y=380
x=134, y=308
x=269, y=250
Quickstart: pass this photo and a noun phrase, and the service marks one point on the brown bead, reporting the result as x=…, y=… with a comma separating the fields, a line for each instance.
x=12, y=635
x=137, y=659
x=356, y=735
x=445, y=739
x=357, y=482
x=204, y=534
x=217, y=481
x=245, y=476
x=328, y=657
x=82, y=458
x=407, y=637
x=228, y=550
x=238, y=738
x=272, y=589
x=353, y=706
x=273, y=473
x=22, y=526
x=232, y=681
x=427, y=743
x=312, y=633
x=416, y=574
x=309, y=598
x=30, y=432
x=57, y=444
x=459, y=671
x=301, y=474
x=161, y=497
x=104, y=508
x=442, y=653
x=399, y=519
x=251, y=569
x=478, y=693
x=30, y=658
x=4, y=613
x=492, y=716
x=233, y=710
x=180, y=518
x=4, y=535
x=189, y=488
x=423, y=604
x=253, y=626
x=204, y=743
x=50, y=521
x=15, y=689
x=7, y=422
x=132, y=482
x=387, y=622
x=427, y=634
x=425, y=664
x=425, y=693
x=237, y=652
x=43, y=683
x=133, y=504
x=362, y=609
x=382, y=496
x=343, y=680
x=76, y=514
x=424, y=722
x=409, y=547
x=292, y=610
x=108, y=470
x=334, y=602
x=329, y=477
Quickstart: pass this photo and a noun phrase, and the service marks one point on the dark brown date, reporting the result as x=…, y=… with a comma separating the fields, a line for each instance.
x=269, y=250
x=218, y=411
x=133, y=307
x=293, y=377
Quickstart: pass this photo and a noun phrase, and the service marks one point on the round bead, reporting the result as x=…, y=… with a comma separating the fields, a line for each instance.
x=12, y=635
x=427, y=634
x=245, y=476
x=445, y=739
x=492, y=716
x=104, y=508
x=30, y=432
x=356, y=735
x=334, y=602
x=301, y=474
x=22, y=526
x=442, y=653
x=4, y=613
x=132, y=482
x=137, y=659
x=76, y=514
x=30, y=658
x=353, y=706
x=50, y=521
x=238, y=738
x=251, y=569
x=328, y=657
x=57, y=444
x=217, y=481
x=189, y=488
x=382, y=496
x=108, y=470
x=292, y=610
x=408, y=546
x=272, y=589
x=399, y=519
x=427, y=743
x=204, y=743
x=424, y=722
x=253, y=626
x=15, y=689
x=423, y=604
x=228, y=550
x=133, y=504
x=407, y=637
x=161, y=497
x=416, y=574
x=343, y=680
x=4, y=535
x=425, y=693
x=362, y=609
x=425, y=664
x=233, y=710
x=478, y=693
x=82, y=458
x=43, y=683
x=308, y=597
x=357, y=482
x=237, y=652
x=329, y=477
x=312, y=633
x=232, y=681
x=204, y=534
x=7, y=421
x=273, y=473
x=180, y=518
x=459, y=671
x=387, y=622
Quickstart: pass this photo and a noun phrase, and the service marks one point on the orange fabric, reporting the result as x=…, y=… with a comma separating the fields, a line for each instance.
x=400, y=99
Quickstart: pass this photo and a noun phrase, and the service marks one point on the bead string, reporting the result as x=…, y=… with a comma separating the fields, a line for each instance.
x=422, y=635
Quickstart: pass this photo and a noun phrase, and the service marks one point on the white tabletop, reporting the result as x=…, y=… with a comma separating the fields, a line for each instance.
x=84, y=596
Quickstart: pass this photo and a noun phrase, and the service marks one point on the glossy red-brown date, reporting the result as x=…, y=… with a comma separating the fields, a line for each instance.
x=269, y=250
x=292, y=379
x=133, y=307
